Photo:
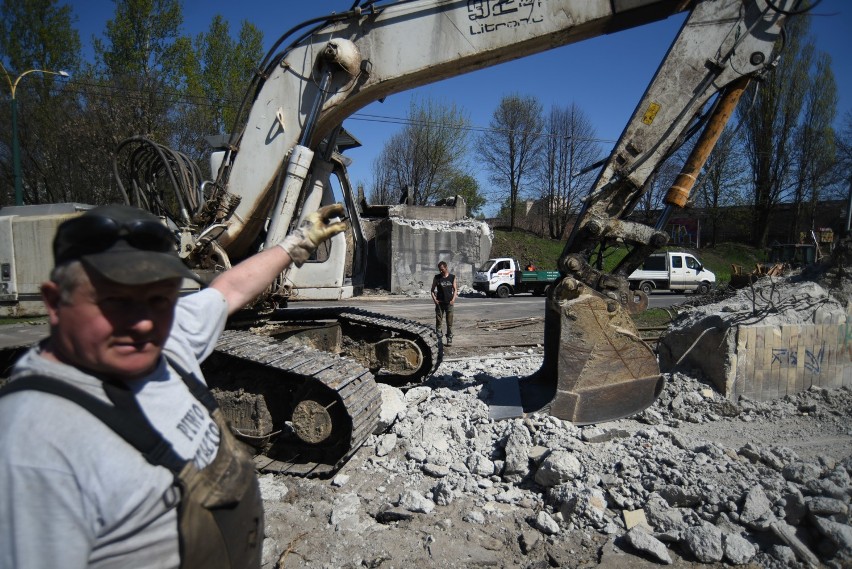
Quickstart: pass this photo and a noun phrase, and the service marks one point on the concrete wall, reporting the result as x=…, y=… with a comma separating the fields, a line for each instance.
x=773, y=361
x=26, y=256
x=769, y=355
x=455, y=212
x=413, y=248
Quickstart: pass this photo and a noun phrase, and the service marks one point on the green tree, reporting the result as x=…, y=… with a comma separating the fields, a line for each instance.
x=719, y=187
x=134, y=87
x=770, y=125
x=228, y=67
x=143, y=39
x=510, y=148
x=466, y=186
x=143, y=58
x=244, y=64
x=218, y=72
x=37, y=34
x=815, y=149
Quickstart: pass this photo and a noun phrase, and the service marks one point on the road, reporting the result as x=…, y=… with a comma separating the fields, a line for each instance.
x=479, y=322
x=482, y=324
x=421, y=309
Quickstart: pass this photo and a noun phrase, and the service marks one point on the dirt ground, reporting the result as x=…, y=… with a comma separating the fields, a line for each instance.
x=361, y=517
x=397, y=505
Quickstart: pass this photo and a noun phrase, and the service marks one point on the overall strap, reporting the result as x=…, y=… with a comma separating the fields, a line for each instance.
x=125, y=418
x=197, y=387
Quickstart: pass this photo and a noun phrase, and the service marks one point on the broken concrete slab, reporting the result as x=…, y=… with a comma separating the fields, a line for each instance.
x=776, y=339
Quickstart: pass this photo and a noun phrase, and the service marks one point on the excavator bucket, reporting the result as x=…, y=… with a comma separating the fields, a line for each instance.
x=596, y=368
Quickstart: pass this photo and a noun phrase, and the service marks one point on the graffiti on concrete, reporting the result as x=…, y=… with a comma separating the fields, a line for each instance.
x=785, y=357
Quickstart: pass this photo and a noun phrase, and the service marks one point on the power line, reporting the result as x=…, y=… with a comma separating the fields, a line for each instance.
x=472, y=128
x=99, y=89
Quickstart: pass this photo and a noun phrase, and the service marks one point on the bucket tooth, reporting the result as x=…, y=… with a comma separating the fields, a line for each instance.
x=596, y=368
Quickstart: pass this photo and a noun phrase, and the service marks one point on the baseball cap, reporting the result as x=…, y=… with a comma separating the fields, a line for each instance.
x=124, y=244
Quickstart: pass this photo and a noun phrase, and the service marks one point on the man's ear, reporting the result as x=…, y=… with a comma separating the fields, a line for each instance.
x=52, y=298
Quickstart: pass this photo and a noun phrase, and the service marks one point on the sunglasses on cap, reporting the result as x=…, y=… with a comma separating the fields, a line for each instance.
x=90, y=234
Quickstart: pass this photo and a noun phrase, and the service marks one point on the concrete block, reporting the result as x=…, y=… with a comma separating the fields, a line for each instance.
x=415, y=247
x=775, y=355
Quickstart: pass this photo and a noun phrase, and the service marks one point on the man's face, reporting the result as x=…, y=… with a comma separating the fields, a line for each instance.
x=444, y=270
x=112, y=329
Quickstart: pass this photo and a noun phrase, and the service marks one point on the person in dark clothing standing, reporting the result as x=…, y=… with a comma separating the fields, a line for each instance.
x=444, y=292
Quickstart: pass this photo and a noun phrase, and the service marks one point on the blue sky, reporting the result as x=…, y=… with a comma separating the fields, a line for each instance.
x=604, y=76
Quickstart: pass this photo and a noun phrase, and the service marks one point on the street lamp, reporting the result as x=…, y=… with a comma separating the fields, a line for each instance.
x=16, y=151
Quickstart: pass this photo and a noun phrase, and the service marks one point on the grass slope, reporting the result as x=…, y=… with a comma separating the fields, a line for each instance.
x=544, y=253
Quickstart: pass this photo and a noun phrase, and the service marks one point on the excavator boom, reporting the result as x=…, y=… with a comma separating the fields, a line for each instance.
x=362, y=56
x=595, y=367
x=278, y=169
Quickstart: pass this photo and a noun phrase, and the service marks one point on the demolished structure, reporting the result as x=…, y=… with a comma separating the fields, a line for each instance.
x=775, y=338
x=406, y=242
x=694, y=478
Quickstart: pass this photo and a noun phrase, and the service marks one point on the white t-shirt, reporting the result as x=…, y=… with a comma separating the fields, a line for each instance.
x=74, y=493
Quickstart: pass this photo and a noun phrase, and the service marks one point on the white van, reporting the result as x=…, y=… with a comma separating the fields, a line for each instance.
x=672, y=270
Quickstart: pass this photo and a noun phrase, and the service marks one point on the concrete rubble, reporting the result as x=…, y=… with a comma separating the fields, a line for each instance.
x=447, y=487
x=700, y=477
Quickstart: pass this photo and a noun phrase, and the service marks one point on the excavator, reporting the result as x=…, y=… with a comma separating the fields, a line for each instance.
x=306, y=413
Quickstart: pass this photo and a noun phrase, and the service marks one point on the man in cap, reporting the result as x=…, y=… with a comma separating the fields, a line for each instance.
x=112, y=451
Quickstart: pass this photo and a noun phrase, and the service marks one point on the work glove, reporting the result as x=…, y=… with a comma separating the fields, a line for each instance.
x=303, y=241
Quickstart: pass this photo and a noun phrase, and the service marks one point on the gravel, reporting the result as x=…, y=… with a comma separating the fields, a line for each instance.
x=443, y=485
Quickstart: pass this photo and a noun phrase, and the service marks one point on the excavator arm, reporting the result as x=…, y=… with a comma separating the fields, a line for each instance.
x=363, y=55
x=595, y=366
x=721, y=46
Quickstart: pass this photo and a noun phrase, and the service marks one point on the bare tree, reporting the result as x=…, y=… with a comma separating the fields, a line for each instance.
x=651, y=201
x=770, y=126
x=815, y=150
x=845, y=161
x=426, y=155
x=510, y=149
x=844, y=144
x=383, y=187
x=723, y=179
x=568, y=148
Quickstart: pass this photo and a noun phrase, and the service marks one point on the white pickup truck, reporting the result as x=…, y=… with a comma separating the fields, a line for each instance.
x=672, y=270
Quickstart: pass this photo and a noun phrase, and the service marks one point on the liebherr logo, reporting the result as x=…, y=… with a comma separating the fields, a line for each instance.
x=493, y=15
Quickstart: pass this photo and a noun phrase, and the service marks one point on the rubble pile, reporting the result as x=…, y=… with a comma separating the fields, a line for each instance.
x=693, y=478
x=769, y=302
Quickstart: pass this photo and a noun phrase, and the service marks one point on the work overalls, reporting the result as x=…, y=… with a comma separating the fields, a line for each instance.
x=220, y=514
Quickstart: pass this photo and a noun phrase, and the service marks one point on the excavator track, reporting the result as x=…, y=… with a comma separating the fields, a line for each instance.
x=397, y=351
x=304, y=411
